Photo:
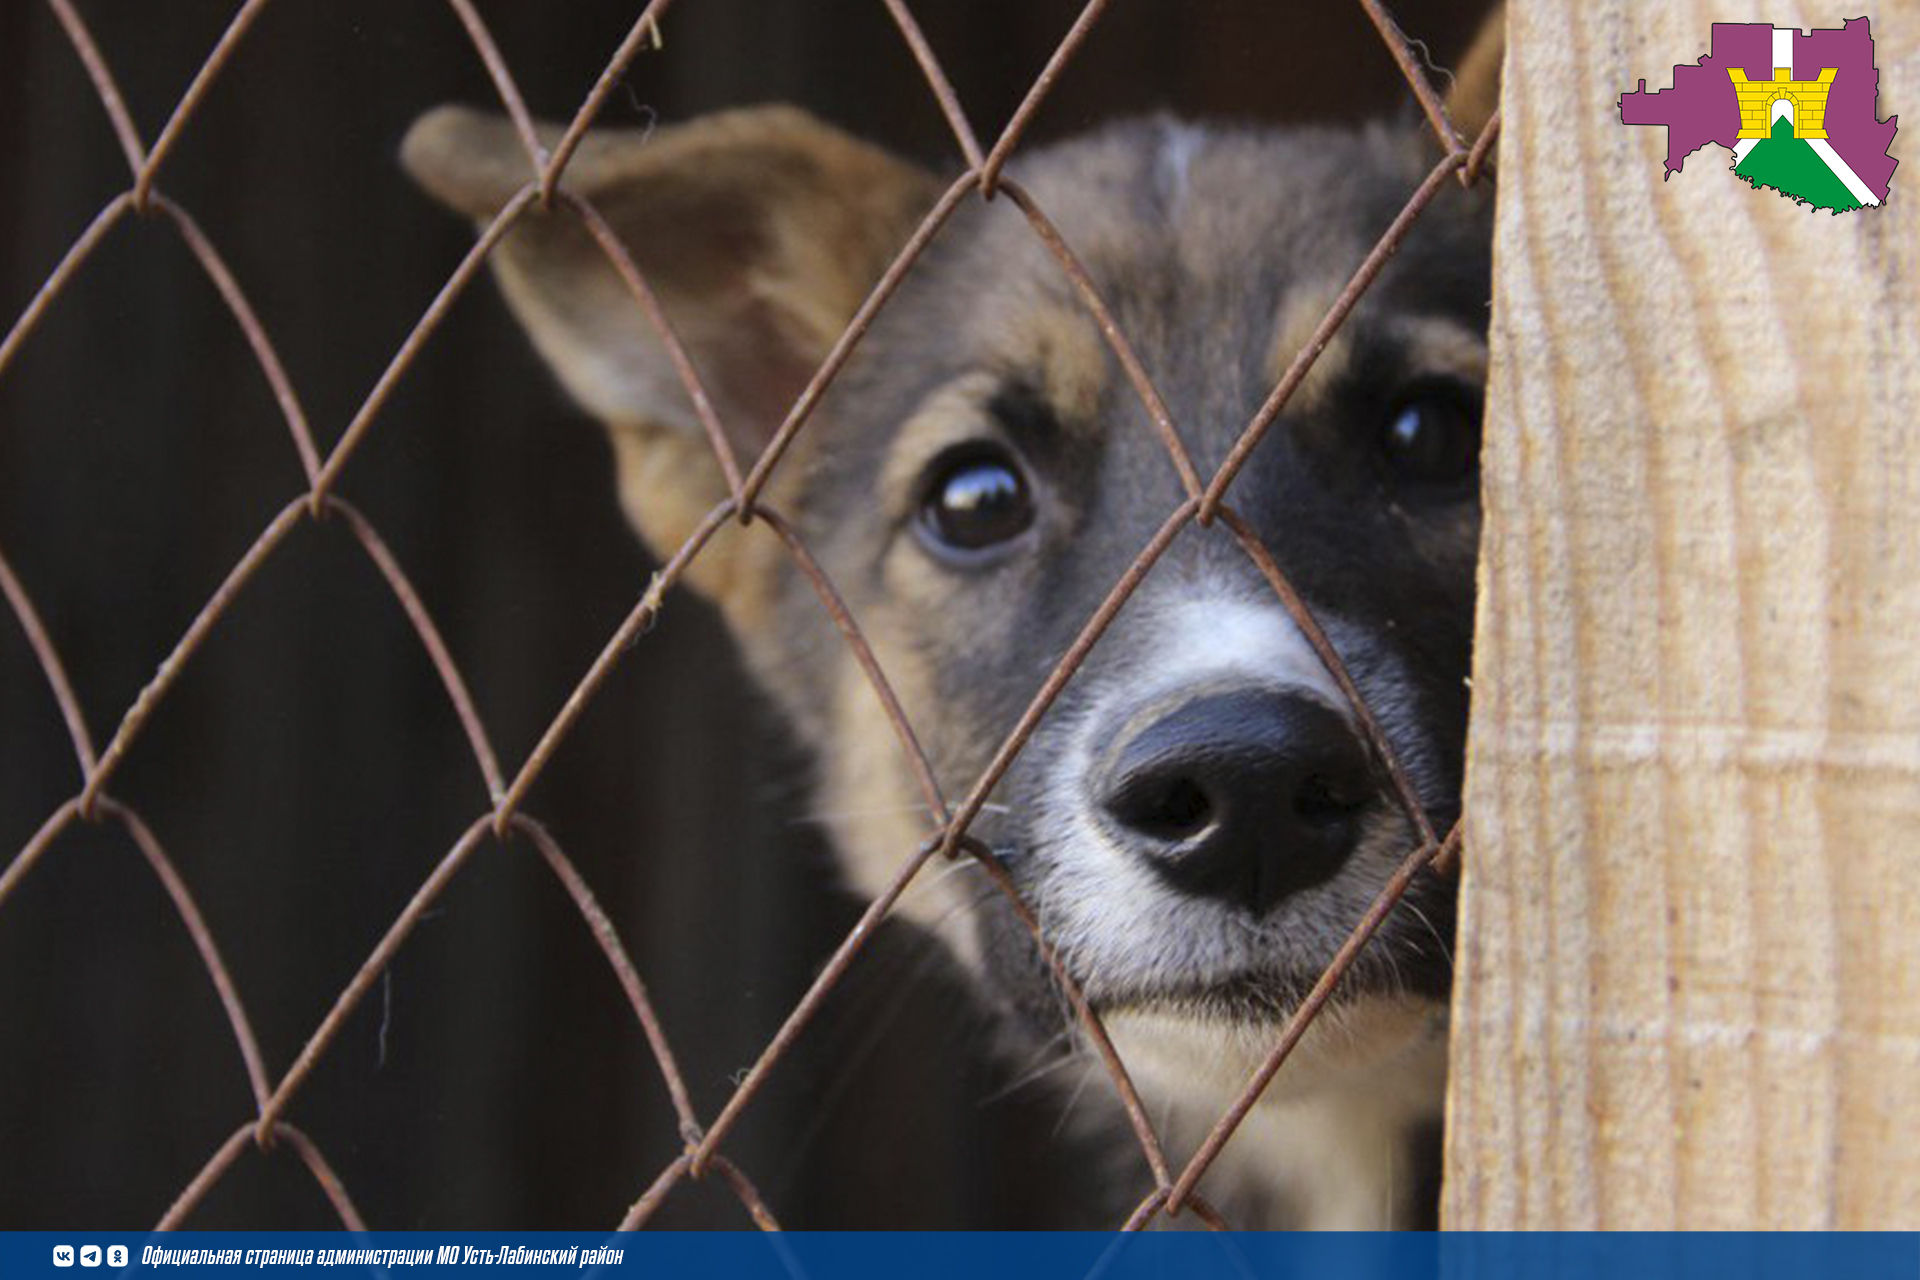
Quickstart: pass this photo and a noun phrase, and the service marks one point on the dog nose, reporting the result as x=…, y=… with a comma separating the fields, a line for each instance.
x=1245, y=797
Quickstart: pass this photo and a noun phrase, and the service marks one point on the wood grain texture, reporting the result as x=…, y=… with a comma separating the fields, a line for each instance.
x=1689, y=960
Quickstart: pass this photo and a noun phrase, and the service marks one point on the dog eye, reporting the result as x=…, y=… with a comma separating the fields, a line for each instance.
x=1432, y=437
x=975, y=499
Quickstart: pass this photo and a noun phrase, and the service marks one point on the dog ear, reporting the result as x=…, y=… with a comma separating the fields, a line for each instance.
x=1476, y=86
x=760, y=230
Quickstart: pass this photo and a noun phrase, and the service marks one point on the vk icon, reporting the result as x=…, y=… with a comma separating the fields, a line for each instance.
x=89, y=1255
x=116, y=1255
x=63, y=1255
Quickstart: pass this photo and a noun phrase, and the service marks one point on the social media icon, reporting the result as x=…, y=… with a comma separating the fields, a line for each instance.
x=63, y=1255
x=89, y=1255
x=116, y=1255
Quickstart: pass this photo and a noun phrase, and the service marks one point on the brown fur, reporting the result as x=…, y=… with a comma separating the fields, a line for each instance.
x=762, y=230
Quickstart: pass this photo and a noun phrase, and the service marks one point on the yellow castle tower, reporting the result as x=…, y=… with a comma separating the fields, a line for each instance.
x=1808, y=97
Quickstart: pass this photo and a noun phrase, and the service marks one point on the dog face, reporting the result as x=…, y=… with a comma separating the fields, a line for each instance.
x=1198, y=821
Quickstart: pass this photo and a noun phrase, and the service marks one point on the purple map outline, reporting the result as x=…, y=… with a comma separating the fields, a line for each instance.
x=1701, y=107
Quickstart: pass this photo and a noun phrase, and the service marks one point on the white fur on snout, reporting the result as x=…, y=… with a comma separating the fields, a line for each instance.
x=1201, y=640
x=1328, y=1136
x=1118, y=919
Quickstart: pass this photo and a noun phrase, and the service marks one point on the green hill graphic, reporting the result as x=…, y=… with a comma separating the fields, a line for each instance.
x=1790, y=166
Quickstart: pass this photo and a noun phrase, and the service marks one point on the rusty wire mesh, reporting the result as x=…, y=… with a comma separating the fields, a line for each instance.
x=266, y=1123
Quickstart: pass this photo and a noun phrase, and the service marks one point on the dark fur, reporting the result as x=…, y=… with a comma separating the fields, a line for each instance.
x=1400, y=576
x=1216, y=251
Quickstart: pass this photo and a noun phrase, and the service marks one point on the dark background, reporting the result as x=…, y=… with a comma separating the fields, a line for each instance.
x=308, y=772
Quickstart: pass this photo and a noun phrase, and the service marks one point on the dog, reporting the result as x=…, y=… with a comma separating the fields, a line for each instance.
x=1198, y=822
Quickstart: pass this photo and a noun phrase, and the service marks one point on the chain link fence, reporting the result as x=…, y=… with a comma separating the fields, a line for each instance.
x=267, y=1122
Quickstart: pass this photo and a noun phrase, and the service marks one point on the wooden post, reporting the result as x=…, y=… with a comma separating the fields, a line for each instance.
x=1689, y=961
